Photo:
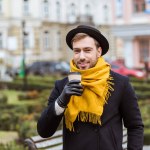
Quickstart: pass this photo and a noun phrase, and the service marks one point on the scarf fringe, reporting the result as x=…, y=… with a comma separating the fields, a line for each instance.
x=84, y=117
x=69, y=125
x=109, y=88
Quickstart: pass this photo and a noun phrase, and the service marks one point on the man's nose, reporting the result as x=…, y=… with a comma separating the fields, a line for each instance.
x=82, y=55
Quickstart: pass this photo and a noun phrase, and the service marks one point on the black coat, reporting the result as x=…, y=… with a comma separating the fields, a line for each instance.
x=122, y=105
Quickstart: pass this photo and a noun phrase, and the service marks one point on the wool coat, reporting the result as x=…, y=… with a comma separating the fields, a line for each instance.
x=121, y=108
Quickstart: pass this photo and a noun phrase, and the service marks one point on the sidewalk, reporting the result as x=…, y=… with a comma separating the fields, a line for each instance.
x=146, y=147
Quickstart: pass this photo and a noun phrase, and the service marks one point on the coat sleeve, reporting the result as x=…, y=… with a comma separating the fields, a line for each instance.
x=49, y=121
x=132, y=117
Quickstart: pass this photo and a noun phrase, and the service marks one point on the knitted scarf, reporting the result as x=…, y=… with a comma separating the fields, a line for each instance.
x=97, y=84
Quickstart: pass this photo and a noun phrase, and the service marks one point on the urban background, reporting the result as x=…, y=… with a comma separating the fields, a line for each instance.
x=33, y=54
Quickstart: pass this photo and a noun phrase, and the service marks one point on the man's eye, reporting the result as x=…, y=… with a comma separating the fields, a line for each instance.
x=76, y=51
x=88, y=50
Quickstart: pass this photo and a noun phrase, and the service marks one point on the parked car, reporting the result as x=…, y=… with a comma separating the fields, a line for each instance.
x=48, y=67
x=12, y=72
x=121, y=69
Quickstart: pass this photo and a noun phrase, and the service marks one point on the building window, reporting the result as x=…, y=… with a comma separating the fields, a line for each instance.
x=119, y=8
x=45, y=8
x=26, y=40
x=72, y=13
x=1, y=6
x=58, y=40
x=87, y=10
x=139, y=6
x=26, y=10
x=144, y=47
x=105, y=8
x=58, y=10
x=46, y=40
x=72, y=10
x=1, y=40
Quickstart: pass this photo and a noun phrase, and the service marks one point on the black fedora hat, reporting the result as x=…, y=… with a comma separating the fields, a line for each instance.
x=91, y=31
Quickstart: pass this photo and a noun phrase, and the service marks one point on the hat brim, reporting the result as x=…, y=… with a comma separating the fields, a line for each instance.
x=91, y=32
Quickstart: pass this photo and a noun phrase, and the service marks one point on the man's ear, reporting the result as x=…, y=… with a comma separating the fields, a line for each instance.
x=99, y=50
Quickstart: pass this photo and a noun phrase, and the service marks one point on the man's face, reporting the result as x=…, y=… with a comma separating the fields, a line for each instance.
x=85, y=53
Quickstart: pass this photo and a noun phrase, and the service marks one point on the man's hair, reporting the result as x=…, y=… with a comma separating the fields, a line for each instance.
x=80, y=36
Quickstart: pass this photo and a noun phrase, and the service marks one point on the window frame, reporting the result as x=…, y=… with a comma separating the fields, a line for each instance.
x=46, y=40
x=144, y=49
x=139, y=6
x=1, y=40
x=45, y=8
x=26, y=7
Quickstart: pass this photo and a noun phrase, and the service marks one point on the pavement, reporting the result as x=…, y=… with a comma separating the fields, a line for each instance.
x=146, y=147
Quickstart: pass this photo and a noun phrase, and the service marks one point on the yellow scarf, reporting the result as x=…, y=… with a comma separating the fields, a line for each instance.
x=97, y=86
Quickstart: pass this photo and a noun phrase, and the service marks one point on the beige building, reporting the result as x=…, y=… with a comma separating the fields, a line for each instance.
x=36, y=29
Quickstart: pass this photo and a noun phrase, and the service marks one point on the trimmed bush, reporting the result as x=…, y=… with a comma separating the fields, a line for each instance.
x=3, y=99
x=29, y=95
x=147, y=137
x=12, y=146
x=132, y=79
x=19, y=86
x=27, y=129
x=11, y=116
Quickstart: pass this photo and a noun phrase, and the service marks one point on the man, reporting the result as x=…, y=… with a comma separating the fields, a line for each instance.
x=94, y=110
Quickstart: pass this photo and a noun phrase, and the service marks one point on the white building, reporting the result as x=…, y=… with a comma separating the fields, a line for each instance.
x=46, y=24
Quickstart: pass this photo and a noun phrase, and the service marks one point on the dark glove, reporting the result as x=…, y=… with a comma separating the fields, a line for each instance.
x=71, y=88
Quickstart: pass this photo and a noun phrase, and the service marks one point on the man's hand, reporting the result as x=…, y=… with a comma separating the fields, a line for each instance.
x=71, y=88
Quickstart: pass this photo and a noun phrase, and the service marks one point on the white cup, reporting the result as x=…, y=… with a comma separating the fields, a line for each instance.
x=74, y=76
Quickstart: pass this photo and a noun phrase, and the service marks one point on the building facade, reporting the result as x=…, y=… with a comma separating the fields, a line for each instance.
x=131, y=30
x=36, y=29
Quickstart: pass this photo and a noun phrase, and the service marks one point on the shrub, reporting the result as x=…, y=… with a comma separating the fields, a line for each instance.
x=143, y=95
x=12, y=146
x=147, y=137
x=28, y=95
x=3, y=99
x=11, y=116
x=27, y=129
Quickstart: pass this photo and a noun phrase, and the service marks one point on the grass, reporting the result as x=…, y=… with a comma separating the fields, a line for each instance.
x=8, y=136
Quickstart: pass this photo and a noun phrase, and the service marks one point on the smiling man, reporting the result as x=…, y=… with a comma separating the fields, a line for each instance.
x=86, y=53
x=95, y=109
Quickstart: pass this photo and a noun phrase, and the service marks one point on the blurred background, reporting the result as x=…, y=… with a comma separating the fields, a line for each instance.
x=33, y=54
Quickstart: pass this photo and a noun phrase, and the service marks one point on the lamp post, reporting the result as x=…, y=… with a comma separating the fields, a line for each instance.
x=23, y=65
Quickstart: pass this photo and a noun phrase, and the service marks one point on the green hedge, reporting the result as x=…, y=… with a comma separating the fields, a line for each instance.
x=12, y=146
x=18, y=86
x=3, y=99
x=147, y=137
x=33, y=83
x=22, y=109
x=143, y=95
x=134, y=80
x=11, y=116
x=145, y=112
x=141, y=87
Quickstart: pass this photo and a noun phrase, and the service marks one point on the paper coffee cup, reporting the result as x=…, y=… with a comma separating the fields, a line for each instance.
x=74, y=76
